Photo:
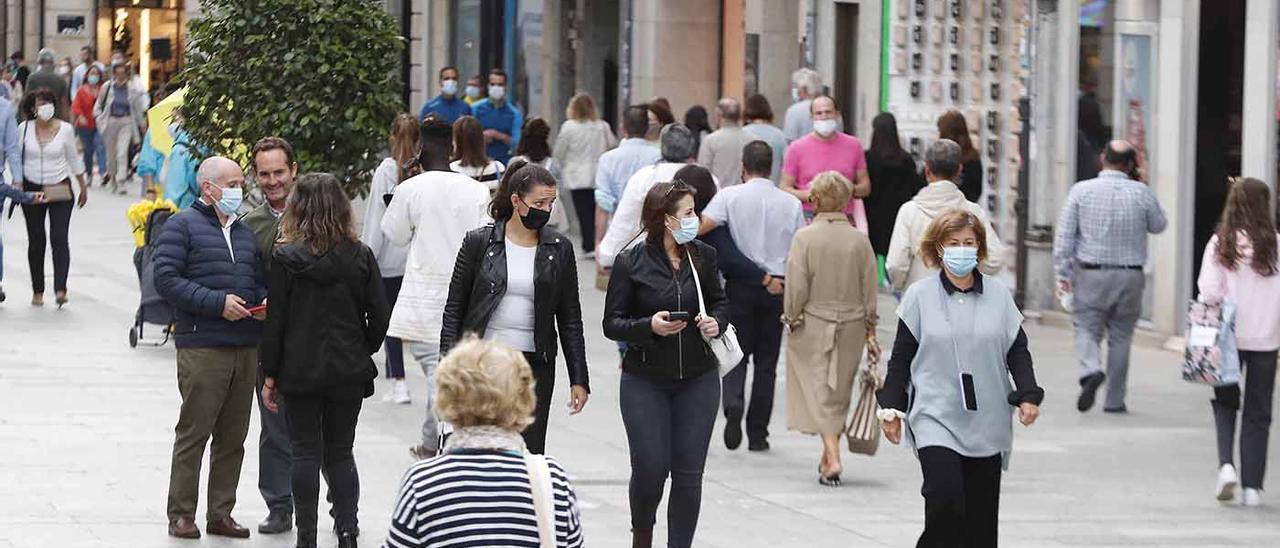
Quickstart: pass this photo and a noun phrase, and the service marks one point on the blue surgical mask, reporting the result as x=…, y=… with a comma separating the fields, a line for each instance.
x=960, y=260
x=93, y=78
x=473, y=92
x=449, y=87
x=229, y=204
x=688, y=230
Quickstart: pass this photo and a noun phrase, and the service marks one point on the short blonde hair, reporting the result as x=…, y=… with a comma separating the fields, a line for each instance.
x=581, y=108
x=485, y=383
x=950, y=221
x=830, y=191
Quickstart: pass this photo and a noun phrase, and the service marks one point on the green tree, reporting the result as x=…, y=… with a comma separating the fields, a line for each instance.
x=320, y=73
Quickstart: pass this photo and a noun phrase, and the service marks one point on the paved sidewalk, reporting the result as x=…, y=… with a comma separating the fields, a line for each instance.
x=86, y=428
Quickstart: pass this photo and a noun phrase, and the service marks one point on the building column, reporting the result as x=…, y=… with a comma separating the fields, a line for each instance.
x=1259, y=132
x=733, y=47
x=675, y=52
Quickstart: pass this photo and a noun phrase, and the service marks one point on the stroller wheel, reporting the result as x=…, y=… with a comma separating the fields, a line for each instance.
x=133, y=337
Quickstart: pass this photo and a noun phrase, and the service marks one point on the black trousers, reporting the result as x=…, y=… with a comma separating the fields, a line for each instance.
x=59, y=214
x=961, y=499
x=322, y=431
x=757, y=316
x=275, y=461
x=544, y=377
x=584, y=204
x=1259, y=369
x=394, y=346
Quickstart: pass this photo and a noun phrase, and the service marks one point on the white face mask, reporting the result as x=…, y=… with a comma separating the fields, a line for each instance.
x=449, y=87
x=497, y=92
x=44, y=112
x=473, y=92
x=825, y=128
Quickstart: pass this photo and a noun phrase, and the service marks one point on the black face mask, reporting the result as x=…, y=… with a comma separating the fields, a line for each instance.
x=536, y=218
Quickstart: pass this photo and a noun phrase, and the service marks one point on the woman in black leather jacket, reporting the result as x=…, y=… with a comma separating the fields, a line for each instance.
x=516, y=281
x=670, y=388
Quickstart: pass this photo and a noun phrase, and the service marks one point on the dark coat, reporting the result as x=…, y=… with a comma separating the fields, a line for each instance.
x=893, y=183
x=327, y=315
x=195, y=272
x=643, y=284
x=480, y=281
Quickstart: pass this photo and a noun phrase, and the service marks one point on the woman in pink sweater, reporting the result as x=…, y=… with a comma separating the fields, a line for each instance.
x=1240, y=266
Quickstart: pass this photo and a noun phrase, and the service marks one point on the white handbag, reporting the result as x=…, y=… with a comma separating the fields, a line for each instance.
x=544, y=506
x=728, y=353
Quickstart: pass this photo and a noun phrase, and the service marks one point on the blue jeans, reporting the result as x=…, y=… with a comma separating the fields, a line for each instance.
x=93, y=145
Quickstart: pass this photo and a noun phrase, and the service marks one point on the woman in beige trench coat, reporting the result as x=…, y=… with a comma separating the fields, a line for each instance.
x=830, y=307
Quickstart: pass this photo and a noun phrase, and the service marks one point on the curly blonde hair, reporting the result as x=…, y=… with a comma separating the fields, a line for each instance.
x=950, y=221
x=830, y=192
x=485, y=383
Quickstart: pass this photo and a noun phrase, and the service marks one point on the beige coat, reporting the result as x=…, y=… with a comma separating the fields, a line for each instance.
x=830, y=303
x=903, y=263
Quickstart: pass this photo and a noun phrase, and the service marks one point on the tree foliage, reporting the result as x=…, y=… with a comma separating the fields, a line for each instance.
x=320, y=73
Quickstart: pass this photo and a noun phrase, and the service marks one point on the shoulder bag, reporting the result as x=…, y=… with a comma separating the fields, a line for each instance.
x=728, y=353
x=544, y=506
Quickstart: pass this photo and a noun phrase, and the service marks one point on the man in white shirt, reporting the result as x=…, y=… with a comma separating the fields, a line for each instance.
x=430, y=213
x=678, y=148
x=762, y=220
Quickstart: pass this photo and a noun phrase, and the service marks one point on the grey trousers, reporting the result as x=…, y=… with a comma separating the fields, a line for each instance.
x=1259, y=370
x=428, y=357
x=1106, y=302
x=275, y=457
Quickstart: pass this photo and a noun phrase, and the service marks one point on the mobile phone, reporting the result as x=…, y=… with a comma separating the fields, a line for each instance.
x=967, y=391
x=257, y=309
x=678, y=316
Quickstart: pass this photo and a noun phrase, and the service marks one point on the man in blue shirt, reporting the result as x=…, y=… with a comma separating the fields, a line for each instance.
x=500, y=119
x=447, y=106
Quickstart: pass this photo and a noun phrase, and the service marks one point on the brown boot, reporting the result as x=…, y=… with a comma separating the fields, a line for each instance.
x=642, y=538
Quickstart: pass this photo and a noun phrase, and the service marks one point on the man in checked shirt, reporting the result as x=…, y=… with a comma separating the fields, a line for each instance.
x=1099, y=251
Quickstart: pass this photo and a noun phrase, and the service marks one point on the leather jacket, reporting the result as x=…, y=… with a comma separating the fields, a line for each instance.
x=480, y=281
x=642, y=284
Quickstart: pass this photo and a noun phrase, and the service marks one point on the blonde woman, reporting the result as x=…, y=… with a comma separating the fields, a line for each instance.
x=583, y=138
x=830, y=306
x=486, y=391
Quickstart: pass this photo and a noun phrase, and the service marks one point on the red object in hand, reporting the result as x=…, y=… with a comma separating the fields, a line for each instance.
x=257, y=309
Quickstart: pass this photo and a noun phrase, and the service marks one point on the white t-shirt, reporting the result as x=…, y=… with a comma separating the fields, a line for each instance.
x=490, y=175
x=512, y=320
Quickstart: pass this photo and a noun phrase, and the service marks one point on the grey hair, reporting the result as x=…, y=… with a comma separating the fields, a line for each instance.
x=46, y=55
x=943, y=158
x=677, y=143
x=212, y=167
x=730, y=109
x=808, y=80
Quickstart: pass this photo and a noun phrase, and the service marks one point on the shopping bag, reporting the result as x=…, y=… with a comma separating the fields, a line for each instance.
x=863, y=432
x=1211, y=357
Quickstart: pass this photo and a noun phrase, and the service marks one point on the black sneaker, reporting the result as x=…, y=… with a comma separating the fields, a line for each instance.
x=1117, y=410
x=758, y=445
x=277, y=522
x=1089, y=390
x=733, y=434
x=2, y=296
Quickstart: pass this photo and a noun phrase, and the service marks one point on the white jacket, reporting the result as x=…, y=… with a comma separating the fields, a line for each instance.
x=625, y=223
x=903, y=264
x=430, y=213
x=578, y=148
x=391, y=257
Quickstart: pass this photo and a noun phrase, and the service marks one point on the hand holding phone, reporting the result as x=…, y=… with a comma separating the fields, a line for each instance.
x=678, y=316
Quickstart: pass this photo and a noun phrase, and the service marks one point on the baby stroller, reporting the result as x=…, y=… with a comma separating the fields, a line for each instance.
x=148, y=218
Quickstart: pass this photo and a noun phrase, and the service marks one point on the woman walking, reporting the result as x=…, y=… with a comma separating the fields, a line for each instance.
x=959, y=339
x=481, y=491
x=670, y=388
x=535, y=149
x=516, y=281
x=401, y=165
x=1240, y=268
x=894, y=176
x=50, y=161
x=86, y=125
x=951, y=125
x=583, y=138
x=830, y=308
x=323, y=282
x=469, y=157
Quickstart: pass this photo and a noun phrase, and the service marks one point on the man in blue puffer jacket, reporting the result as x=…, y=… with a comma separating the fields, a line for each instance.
x=206, y=266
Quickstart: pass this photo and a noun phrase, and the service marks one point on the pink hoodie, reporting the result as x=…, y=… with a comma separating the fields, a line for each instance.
x=1257, y=298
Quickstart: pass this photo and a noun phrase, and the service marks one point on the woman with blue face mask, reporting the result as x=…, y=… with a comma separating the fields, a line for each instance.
x=670, y=389
x=959, y=341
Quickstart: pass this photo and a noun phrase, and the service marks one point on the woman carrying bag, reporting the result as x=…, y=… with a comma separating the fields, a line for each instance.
x=1240, y=267
x=959, y=339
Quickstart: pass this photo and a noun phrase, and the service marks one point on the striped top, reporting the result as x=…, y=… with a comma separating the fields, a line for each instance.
x=479, y=498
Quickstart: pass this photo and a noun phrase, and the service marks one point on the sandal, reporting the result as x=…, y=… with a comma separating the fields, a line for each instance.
x=828, y=479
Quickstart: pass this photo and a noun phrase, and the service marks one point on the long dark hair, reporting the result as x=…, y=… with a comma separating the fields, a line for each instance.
x=468, y=142
x=519, y=180
x=696, y=119
x=1248, y=210
x=951, y=125
x=318, y=214
x=658, y=203
x=534, y=140
x=886, y=146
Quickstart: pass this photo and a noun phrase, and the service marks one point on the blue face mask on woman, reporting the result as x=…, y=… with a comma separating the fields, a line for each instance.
x=688, y=230
x=960, y=260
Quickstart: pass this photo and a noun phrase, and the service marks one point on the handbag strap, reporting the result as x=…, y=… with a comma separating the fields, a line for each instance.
x=543, y=498
x=702, y=304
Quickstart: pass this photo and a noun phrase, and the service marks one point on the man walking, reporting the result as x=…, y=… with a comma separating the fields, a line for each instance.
x=827, y=148
x=447, y=106
x=431, y=213
x=206, y=266
x=46, y=77
x=762, y=221
x=274, y=170
x=618, y=165
x=1099, y=252
x=806, y=84
x=721, y=152
x=501, y=120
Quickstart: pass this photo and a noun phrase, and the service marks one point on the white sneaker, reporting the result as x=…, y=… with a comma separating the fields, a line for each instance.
x=1227, y=481
x=400, y=392
x=1251, y=497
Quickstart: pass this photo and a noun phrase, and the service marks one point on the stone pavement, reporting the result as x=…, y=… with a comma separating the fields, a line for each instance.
x=86, y=428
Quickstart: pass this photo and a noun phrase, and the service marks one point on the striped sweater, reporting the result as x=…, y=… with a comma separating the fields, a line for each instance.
x=478, y=498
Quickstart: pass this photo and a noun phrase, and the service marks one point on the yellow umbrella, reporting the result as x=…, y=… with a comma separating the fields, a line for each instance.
x=158, y=119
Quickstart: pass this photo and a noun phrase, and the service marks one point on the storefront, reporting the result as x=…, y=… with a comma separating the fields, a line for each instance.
x=151, y=34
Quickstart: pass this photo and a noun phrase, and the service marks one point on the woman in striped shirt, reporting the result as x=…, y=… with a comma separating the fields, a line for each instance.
x=480, y=492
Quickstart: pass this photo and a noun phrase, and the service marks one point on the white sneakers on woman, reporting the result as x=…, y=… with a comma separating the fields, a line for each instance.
x=1226, y=490
x=1251, y=497
x=399, y=393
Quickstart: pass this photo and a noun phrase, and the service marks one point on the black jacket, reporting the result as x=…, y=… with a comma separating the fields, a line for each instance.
x=325, y=316
x=480, y=281
x=643, y=284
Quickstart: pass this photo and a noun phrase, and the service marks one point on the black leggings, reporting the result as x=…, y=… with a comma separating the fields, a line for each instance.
x=322, y=431
x=1259, y=379
x=59, y=223
x=961, y=499
x=544, y=377
x=584, y=204
x=669, y=427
